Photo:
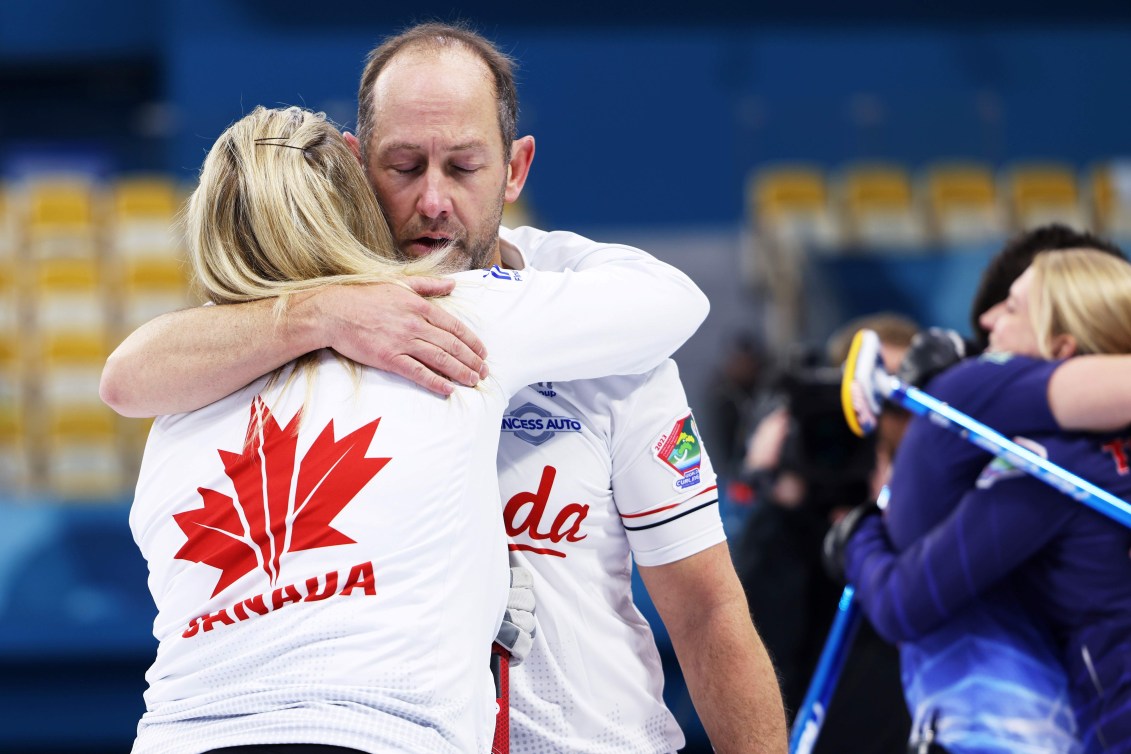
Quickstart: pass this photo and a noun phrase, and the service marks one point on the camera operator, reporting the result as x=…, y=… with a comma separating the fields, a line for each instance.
x=808, y=470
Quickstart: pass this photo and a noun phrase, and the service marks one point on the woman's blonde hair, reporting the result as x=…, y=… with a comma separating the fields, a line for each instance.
x=283, y=207
x=1085, y=294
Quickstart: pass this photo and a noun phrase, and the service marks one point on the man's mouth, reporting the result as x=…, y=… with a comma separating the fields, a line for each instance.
x=423, y=245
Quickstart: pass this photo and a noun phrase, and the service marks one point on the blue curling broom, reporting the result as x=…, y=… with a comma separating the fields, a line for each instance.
x=866, y=384
x=811, y=716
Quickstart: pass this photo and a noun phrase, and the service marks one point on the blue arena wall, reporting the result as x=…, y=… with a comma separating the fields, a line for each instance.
x=653, y=122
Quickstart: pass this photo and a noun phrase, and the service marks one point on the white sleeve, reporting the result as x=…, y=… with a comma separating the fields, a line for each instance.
x=663, y=482
x=559, y=251
x=620, y=317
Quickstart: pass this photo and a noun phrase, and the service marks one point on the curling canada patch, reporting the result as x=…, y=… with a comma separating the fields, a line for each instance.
x=681, y=452
x=283, y=504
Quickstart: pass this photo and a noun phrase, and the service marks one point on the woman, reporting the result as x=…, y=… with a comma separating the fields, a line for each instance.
x=325, y=546
x=1067, y=564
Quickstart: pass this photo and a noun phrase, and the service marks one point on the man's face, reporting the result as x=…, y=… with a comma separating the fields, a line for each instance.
x=436, y=158
x=1013, y=329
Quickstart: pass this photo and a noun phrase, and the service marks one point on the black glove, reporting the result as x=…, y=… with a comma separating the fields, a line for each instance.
x=832, y=551
x=931, y=352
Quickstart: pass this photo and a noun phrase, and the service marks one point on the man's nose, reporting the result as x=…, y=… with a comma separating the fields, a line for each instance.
x=435, y=198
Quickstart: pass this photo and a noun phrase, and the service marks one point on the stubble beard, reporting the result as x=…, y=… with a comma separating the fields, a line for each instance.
x=476, y=250
x=481, y=251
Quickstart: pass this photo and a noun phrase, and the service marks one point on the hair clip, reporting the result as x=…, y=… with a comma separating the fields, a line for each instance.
x=271, y=141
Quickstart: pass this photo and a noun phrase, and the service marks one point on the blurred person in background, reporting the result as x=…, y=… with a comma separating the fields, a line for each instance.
x=735, y=390
x=1066, y=564
x=592, y=474
x=1014, y=258
x=809, y=470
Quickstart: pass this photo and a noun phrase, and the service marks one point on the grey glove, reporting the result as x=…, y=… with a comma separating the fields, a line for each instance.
x=930, y=353
x=516, y=634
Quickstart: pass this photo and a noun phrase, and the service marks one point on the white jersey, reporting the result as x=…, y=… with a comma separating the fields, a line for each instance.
x=329, y=562
x=592, y=472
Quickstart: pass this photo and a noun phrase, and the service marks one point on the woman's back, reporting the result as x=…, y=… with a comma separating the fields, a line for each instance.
x=354, y=569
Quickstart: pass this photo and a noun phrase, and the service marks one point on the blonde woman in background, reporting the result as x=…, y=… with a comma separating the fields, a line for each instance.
x=1068, y=564
x=325, y=546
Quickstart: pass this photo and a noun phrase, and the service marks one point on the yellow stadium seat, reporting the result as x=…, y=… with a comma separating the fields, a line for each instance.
x=790, y=204
x=962, y=204
x=11, y=379
x=77, y=437
x=68, y=295
x=149, y=287
x=147, y=263
x=143, y=222
x=75, y=359
x=880, y=207
x=140, y=307
x=155, y=273
x=10, y=348
x=65, y=348
x=61, y=219
x=11, y=298
x=1110, y=185
x=61, y=204
x=145, y=197
x=1041, y=193
x=12, y=392
x=66, y=274
x=92, y=420
x=11, y=237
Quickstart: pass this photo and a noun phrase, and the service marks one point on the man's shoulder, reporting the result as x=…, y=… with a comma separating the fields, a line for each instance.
x=529, y=238
x=556, y=250
x=601, y=395
x=590, y=399
x=600, y=403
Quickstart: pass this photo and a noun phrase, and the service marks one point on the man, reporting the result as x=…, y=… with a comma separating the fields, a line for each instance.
x=589, y=471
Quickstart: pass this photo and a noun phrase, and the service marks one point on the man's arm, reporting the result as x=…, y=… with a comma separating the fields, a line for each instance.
x=185, y=360
x=726, y=667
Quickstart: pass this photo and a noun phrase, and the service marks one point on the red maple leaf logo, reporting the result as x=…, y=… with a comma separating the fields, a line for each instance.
x=277, y=511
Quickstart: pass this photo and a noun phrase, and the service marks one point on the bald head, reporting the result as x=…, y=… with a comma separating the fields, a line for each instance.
x=441, y=40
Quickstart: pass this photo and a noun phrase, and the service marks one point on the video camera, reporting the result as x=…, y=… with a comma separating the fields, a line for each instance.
x=835, y=464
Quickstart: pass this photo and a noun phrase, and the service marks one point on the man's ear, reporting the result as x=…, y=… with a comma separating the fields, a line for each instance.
x=353, y=144
x=522, y=154
x=1063, y=346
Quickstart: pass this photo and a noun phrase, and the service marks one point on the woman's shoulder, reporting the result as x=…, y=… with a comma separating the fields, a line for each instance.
x=986, y=372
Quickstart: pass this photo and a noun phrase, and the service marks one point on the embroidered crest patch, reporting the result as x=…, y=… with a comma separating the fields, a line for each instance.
x=680, y=450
